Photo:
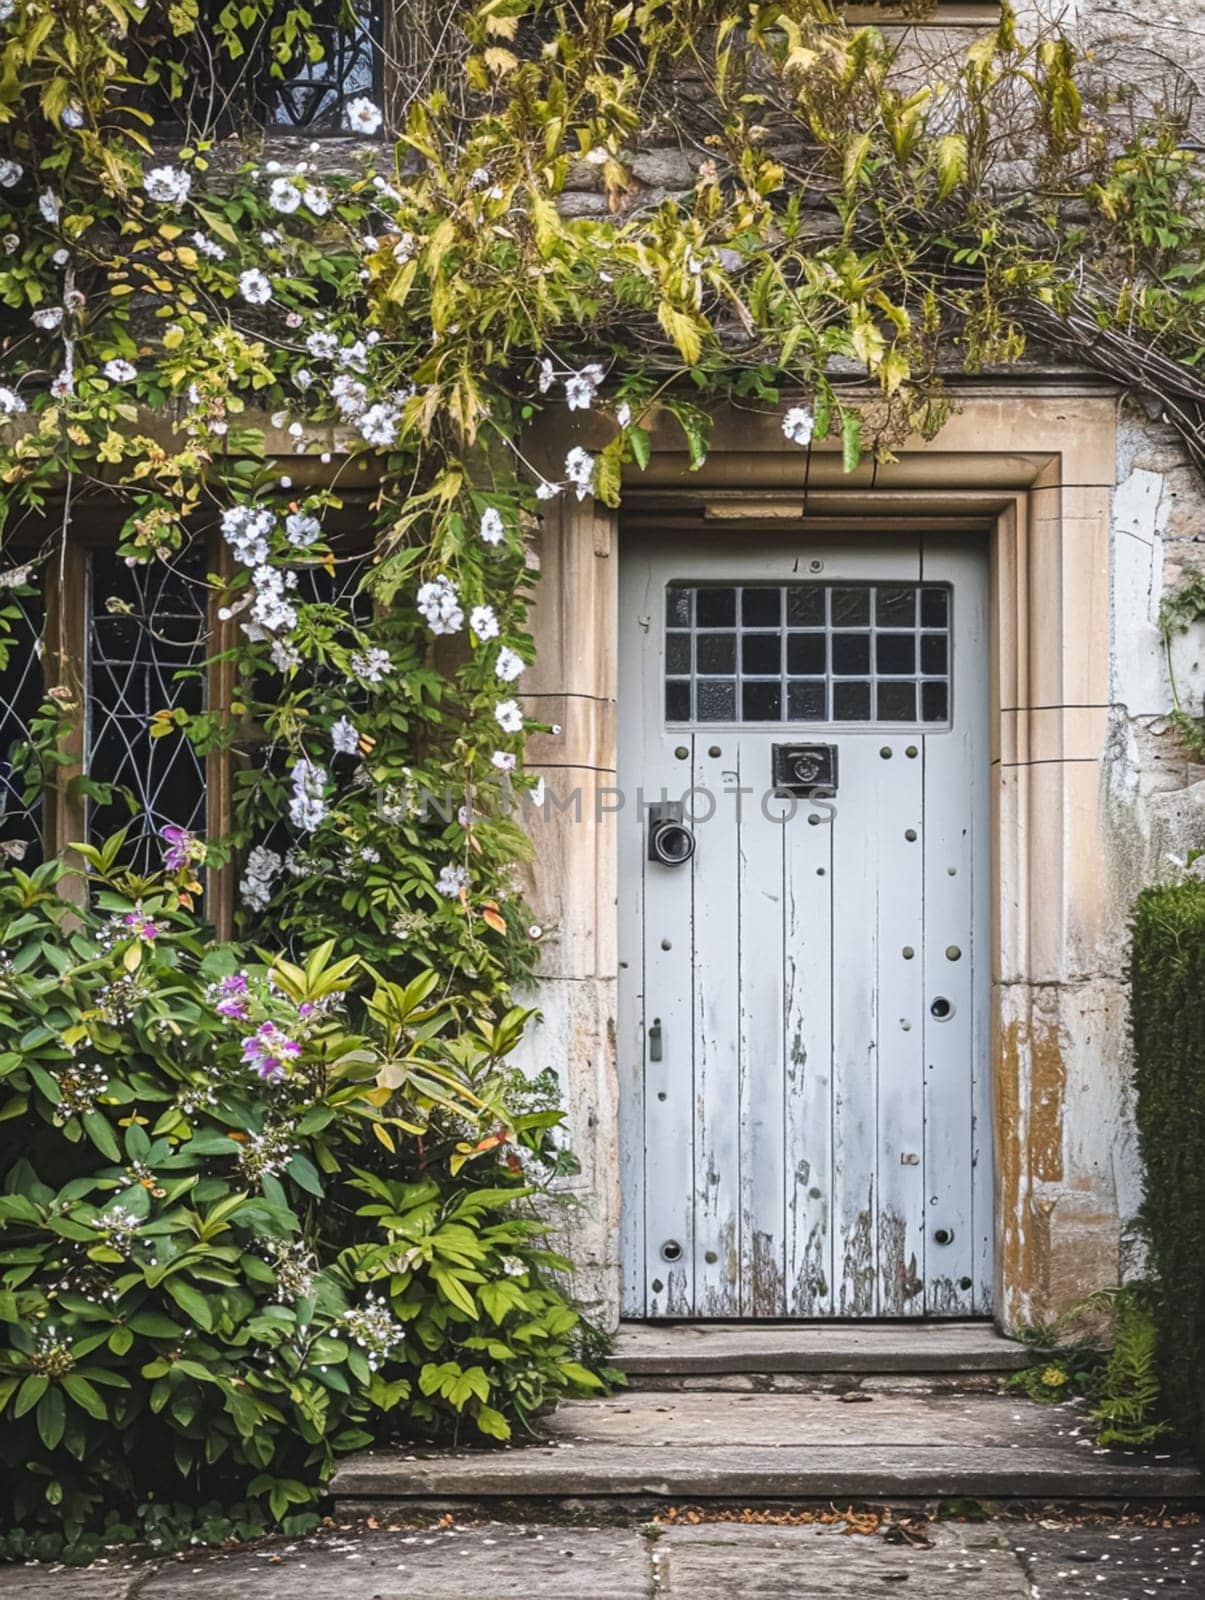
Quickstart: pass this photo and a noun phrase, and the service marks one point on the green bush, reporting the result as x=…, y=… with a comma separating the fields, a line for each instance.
x=1167, y=1007
x=253, y=1215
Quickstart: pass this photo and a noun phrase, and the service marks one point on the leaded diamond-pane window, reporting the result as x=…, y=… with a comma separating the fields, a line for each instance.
x=315, y=93
x=808, y=652
x=22, y=620
x=145, y=648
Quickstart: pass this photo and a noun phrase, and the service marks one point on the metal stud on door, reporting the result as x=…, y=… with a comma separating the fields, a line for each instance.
x=803, y=1120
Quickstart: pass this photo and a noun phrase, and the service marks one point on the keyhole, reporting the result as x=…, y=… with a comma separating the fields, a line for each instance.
x=941, y=1008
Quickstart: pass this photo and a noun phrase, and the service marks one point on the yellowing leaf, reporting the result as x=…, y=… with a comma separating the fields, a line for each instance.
x=683, y=329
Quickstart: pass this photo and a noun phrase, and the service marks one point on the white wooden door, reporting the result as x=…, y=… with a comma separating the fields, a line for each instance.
x=803, y=1000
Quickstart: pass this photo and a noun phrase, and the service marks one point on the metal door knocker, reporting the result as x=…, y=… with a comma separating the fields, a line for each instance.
x=805, y=770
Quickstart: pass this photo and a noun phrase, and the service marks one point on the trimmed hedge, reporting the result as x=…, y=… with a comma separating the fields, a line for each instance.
x=1167, y=1011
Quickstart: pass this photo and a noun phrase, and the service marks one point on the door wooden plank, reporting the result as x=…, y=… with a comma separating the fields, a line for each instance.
x=856, y=852
x=896, y=819
x=717, y=1028
x=808, y=1048
x=763, y=1078
x=665, y=1185
x=956, y=1065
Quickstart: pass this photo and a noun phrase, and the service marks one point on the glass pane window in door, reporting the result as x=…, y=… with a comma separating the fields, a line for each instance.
x=147, y=641
x=807, y=652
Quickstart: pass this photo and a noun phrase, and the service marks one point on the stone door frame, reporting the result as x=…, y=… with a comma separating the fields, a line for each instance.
x=1036, y=471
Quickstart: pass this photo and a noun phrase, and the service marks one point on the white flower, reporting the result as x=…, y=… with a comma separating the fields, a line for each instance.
x=579, y=469
x=598, y=156
x=492, y=527
x=283, y=195
x=350, y=396
x=370, y=244
x=303, y=378
x=10, y=403
x=799, y=425
x=120, y=371
x=63, y=385
x=255, y=886
x=246, y=529
x=73, y=115
x=484, y=622
x=353, y=357
x=285, y=656
x=12, y=243
x=7, y=8
x=479, y=177
x=48, y=318
x=316, y=201
x=362, y=116
x=371, y=666
x=307, y=809
x=508, y=665
x=379, y=425
x=505, y=760
x=209, y=247
x=439, y=604
x=508, y=716
x=48, y=205
x=451, y=881
x=167, y=185
x=345, y=740
x=11, y=173
x=271, y=611
x=581, y=387
x=404, y=249
x=321, y=345
x=547, y=491
x=61, y=257
x=623, y=414
x=547, y=376
x=302, y=528
x=255, y=289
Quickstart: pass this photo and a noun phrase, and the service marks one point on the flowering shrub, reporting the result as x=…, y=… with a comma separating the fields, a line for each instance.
x=254, y=1215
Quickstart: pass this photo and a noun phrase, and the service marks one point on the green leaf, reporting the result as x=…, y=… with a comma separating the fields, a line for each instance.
x=30, y=1392
x=84, y=1395
x=192, y=1302
x=52, y=1417
x=492, y=1422
x=851, y=440
x=305, y=1175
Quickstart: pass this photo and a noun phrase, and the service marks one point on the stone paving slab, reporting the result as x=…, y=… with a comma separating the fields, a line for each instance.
x=687, y=1419
x=695, y=1348
x=1000, y=1560
x=801, y=1447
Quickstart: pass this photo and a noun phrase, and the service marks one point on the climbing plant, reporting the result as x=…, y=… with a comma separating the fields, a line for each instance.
x=321, y=364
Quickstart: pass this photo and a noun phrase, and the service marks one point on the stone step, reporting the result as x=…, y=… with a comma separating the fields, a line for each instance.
x=769, y=1447
x=700, y=1354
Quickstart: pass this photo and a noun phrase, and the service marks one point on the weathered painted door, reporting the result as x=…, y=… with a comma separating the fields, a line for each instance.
x=804, y=1081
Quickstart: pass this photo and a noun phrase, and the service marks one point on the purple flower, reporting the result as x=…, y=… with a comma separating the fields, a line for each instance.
x=232, y=997
x=268, y=1051
x=141, y=927
x=179, y=846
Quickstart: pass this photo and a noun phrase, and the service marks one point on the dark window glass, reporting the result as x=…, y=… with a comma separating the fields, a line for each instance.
x=851, y=702
x=805, y=605
x=935, y=702
x=895, y=608
x=761, y=652
x=895, y=652
x=805, y=652
x=933, y=652
x=897, y=702
x=934, y=608
x=761, y=702
x=851, y=608
x=21, y=690
x=717, y=701
x=147, y=639
x=716, y=652
x=677, y=608
x=677, y=701
x=715, y=608
x=761, y=608
x=851, y=652
x=677, y=652
x=314, y=94
x=805, y=702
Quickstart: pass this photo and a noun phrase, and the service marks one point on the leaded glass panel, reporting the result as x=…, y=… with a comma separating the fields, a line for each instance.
x=807, y=652
x=147, y=641
x=22, y=687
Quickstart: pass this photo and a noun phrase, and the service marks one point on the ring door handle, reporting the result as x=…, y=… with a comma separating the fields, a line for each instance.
x=671, y=842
